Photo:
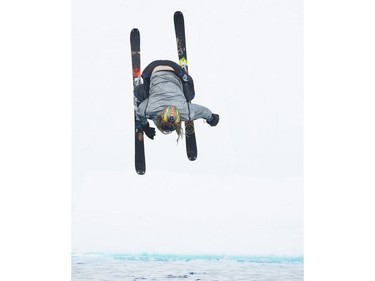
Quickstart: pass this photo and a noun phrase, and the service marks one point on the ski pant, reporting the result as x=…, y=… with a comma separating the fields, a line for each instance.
x=141, y=92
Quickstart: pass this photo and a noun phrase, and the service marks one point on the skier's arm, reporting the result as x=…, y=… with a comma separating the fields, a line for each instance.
x=141, y=112
x=198, y=111
x=145, y=125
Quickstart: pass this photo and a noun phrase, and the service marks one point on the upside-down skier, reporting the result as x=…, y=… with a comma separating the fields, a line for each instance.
x=165, y=98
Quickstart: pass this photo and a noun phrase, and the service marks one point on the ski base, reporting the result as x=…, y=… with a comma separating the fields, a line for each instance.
x=140, y=161
x=179, y=25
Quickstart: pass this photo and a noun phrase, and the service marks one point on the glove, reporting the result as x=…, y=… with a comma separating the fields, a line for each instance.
x=149, y=131
x=214, y=119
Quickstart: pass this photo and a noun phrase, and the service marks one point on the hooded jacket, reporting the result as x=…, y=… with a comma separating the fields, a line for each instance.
x=166, y=89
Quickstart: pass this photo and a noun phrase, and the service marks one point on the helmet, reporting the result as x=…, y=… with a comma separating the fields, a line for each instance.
x=170, y=119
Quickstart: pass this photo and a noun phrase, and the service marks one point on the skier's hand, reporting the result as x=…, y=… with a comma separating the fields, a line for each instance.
x=213, y=120
x=149, y=131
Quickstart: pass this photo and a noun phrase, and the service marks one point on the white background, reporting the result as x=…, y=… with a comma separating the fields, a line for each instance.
x=244, y=193
x=36, y=146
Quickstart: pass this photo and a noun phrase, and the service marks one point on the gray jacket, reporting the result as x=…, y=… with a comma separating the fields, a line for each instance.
x=166, y=89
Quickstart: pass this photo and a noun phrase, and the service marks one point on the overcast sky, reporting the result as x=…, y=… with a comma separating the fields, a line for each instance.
x=35, y=141
x=244, y=193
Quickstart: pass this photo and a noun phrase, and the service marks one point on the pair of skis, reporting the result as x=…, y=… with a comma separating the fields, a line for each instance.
x=191, y=144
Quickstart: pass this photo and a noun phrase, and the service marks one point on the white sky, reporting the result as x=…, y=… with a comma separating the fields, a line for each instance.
x=244, y=193
x=35, y=139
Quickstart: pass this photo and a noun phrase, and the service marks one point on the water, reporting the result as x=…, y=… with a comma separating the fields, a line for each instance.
x=115, y=267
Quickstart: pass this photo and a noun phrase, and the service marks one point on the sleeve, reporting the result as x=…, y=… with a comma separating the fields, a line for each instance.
x=198, y=111
x=141, y=112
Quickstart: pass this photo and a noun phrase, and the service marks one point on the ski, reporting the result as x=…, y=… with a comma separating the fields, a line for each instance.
x=140, y=162
x=179, y=26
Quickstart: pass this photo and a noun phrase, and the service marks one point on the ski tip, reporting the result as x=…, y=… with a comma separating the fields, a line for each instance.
x=135, y=30
x=192, y=158
x=135, y=38
x=141, y=172
x=178, y=14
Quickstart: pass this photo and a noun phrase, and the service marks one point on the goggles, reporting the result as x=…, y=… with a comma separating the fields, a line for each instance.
x=167, y=127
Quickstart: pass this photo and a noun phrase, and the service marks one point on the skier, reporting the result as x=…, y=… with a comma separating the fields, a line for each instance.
x=165, y=97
